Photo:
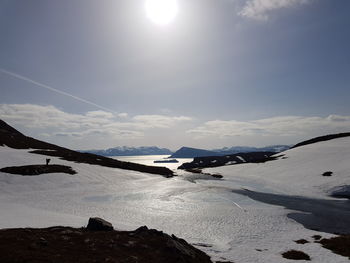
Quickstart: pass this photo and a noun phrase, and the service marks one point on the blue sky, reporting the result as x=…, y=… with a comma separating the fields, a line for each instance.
x=223, y=73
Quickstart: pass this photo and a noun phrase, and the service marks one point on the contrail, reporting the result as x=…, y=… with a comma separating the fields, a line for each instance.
x=17, y=76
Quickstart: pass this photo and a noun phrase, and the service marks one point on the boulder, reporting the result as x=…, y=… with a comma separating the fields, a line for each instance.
x=99, y=224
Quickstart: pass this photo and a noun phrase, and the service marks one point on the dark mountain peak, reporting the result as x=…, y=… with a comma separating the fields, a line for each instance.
x=5, y=128
x=184, y=148
x=188, y=152
x=12, y=138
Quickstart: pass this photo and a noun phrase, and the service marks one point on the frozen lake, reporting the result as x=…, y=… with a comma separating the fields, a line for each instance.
x=148, y=160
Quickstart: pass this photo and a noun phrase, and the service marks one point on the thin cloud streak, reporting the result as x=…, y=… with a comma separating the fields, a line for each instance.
x=259, y=9
x=17, y=76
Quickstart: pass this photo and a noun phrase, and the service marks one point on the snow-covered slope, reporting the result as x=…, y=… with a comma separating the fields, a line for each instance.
x=222, y=219
x=299, y=170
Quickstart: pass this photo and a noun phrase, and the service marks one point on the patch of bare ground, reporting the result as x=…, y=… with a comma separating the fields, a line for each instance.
x=199, y=171
x=296, y=255
x=38, y=169
x=339, y=245
x=301, y=241
x=316, y=237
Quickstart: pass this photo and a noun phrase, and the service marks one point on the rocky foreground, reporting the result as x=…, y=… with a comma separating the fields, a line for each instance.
x=96, y=243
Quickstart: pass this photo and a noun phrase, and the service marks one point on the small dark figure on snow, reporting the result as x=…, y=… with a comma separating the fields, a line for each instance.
x=47, y=161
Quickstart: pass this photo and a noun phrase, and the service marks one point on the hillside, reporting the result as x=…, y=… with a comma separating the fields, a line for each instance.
x=14, y=139
x=302, y=170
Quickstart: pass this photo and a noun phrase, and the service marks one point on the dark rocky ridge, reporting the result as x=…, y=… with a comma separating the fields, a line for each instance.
x=38, y=169
x=67, y=245
x=14, y=139
x=215, y=161
x=322, y=139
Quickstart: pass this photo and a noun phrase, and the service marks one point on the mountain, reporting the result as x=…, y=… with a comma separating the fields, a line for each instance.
x=131, y=151
x=187, y=152
x=14, y=139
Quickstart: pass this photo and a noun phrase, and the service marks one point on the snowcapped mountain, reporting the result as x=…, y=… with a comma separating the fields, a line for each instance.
x=131, y=151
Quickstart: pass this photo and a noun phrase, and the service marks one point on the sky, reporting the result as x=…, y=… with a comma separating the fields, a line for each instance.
x=95, y=74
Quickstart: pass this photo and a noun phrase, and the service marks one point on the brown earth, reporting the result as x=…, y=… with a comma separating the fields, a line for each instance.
x=38, y=169
x=67, y=245
x=339, y=245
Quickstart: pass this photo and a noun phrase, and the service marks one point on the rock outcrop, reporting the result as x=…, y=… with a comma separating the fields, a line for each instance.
x=67, y=245
x=99, y=224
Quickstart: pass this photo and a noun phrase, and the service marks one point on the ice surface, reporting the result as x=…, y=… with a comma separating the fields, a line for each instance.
x=231, y=225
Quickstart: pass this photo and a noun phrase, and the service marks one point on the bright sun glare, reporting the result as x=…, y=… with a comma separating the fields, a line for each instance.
x=161, y=12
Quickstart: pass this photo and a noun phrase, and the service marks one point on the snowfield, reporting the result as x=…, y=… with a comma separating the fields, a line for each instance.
x=288, y=198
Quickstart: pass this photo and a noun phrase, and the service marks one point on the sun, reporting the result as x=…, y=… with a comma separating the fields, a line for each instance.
x=161, y=12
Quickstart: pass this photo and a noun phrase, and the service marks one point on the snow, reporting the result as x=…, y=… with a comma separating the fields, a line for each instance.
x=241, y=158
x=299, y=171
x=231, y=222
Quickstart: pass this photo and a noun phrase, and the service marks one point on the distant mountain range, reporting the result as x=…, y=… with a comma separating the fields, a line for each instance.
x=187, y=152
x=131, y=151
x=184, y=152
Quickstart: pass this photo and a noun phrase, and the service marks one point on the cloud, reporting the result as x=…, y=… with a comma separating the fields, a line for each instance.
x=159, y=121
x=100, y=114
x=276, y=126
x=55, y=122
x=123, y=115
x=259, y=9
